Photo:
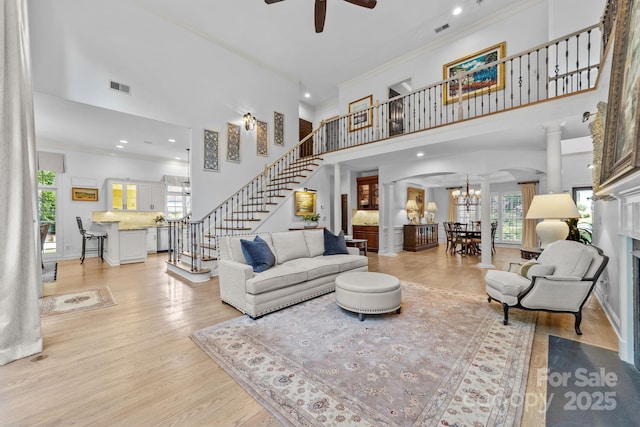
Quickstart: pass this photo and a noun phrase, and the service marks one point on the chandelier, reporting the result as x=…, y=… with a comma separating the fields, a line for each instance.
x=467, y=198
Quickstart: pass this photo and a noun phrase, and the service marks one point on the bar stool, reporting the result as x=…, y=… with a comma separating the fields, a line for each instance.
x=88, y=235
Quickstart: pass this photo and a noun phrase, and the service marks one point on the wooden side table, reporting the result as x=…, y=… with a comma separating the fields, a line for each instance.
x=358, y=243
x=530, y=253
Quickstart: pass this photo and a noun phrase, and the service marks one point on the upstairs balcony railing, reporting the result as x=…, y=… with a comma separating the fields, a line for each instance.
x=561, y=67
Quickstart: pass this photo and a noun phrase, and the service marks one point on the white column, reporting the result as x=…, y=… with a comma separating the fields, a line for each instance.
x=554, y=158
x=485, y=218
x=389, y=202
x=337, y=200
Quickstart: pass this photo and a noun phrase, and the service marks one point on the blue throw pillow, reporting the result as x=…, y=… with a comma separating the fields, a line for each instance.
x=334, y=245
x=258, y=254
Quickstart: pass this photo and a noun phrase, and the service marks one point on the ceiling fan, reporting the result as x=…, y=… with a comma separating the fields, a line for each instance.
x=321, y=9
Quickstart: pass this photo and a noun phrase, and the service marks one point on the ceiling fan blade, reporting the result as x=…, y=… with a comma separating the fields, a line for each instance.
x=369, y=4
x=272, y=1
x=320, y=14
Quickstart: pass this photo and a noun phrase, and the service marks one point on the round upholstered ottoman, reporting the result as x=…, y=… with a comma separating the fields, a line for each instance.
x=366, y=292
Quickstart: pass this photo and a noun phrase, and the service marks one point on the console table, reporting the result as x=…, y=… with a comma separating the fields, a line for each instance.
x=530, y=253
x=420, y=237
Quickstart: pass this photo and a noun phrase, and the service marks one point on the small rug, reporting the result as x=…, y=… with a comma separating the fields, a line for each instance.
x=91, y=299
x=590, y=386
x=50, y=272
x=446, y=360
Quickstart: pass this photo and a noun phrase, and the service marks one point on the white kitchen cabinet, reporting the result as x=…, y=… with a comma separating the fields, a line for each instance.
x=126, y=195
x=151, y=197
x=133, y=245
x=121, y=195
x=152, y=240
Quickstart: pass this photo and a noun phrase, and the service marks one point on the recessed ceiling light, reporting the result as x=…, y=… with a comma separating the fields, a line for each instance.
x=177, y=158
x=420, y=154
x=307, y=95
x=457, y=11
x=148, y=142
x=124, y=141
x=172, y=140
x=119, y=146
x=590, y=165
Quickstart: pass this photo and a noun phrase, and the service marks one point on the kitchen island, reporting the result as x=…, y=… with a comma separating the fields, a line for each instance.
x=124, y=245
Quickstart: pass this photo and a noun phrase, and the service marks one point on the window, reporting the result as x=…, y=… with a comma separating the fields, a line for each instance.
x=178, y=202
x=467, y=216
x=47, y=197
x=506, y=209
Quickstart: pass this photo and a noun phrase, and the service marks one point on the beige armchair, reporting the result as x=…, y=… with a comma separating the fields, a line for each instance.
x=560, y=280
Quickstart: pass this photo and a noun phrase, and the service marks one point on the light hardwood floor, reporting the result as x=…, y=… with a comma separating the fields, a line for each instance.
x=134, y=363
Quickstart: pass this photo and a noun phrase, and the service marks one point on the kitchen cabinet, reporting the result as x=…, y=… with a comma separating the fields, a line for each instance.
x=151, y=197
x=367, y=191
x=369, y=233
x=125, y=195
x=152, y=240
x=133, y=246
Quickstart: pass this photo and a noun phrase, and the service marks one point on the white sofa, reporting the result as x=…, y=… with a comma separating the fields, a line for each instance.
x=301, y=271
x=560, y=281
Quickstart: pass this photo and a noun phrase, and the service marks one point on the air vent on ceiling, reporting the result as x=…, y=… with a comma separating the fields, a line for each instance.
x=442, y=28
x=120, y=87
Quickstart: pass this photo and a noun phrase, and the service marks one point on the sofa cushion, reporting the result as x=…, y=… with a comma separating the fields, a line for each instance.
x=334, y=245
x=534, y=268
x=258, y=254
x=348, y=262
x=315, y=267
x=278, y=276
x=315, y=242
x=289, y=245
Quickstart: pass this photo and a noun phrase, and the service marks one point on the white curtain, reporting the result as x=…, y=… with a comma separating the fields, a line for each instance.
x=20, y=270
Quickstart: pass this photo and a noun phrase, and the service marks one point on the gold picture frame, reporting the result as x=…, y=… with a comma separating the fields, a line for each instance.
x=361, y=113
x=418, y=195
x=476, y=83
x=305, y=203
x=81, y=194
x=620, y=151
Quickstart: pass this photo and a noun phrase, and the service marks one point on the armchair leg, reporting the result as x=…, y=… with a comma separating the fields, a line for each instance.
x=578, y=321
x=488, y=299
x=505, y=307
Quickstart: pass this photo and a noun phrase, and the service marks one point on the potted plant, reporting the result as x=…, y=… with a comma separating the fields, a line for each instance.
x=311, y=220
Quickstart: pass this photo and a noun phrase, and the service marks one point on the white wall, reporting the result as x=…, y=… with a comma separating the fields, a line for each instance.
x=171, y=80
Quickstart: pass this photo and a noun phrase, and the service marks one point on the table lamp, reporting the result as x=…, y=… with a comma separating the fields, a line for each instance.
x=431, y=208
x=412, y=210
x=552, y=209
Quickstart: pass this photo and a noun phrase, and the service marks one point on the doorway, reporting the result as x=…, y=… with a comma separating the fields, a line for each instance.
x=48, y=211
x=305, y=128
x=396, y=107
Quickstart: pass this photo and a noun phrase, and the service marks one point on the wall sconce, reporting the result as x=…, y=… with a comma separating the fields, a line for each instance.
x=249, y=121
x=552, y=209
x=412, y=211
x=431, y=208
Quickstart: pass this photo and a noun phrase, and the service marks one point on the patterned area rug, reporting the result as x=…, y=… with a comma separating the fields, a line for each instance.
x=50, y=272
x=91, y=299
x=446, y=360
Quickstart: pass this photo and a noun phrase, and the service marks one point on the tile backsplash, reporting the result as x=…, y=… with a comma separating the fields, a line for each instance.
x=364, y=217
x=128, y=219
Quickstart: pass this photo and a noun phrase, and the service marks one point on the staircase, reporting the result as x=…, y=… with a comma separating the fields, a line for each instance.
x=562, y=67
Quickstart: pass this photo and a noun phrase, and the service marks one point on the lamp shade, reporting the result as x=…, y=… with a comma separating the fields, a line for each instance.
x=431, y=206
x=552, y=206
x=411, y=205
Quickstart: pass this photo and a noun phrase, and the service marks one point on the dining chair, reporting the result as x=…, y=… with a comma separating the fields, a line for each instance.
x=448, y=232
x=494, y=229
x=44, y=230
x=88, y=235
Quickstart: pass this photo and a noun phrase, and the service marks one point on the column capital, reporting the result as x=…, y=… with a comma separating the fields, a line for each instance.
x=555, y=126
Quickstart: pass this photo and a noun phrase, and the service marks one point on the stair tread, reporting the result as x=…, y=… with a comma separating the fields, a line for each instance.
x=187, y=267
